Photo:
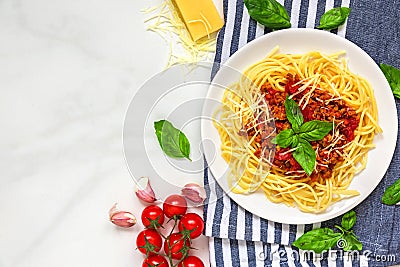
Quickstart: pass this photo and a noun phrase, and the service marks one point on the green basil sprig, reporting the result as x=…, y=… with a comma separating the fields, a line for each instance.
x=301, y=134
x=322, y=239
x=172, y=141
x=392, y=194
x=269, y=13
x=334, y=18
x=392, y=75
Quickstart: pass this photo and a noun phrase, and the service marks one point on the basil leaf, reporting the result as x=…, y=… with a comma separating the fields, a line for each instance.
x=318, y=240
x=293, y=114
x=269, y=13
x=351, y=242
x=305, y=156
x=315, y=130
x=172, y=141
x=392, y=75
x=284, y=138
x=334, y=18
x=349, y=219
x=392, y=194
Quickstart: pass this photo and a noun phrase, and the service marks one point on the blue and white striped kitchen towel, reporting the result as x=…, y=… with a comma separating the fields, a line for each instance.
x=239, y=238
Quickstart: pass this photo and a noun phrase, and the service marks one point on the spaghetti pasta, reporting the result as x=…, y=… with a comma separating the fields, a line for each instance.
x=324, y=89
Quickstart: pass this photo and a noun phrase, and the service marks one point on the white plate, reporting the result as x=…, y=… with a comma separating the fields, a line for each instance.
x=301, y=41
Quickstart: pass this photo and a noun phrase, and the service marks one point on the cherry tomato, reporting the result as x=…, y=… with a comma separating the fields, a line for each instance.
x=191, y=261
x=174, y=205
x=192, y=221
x=153, y=244
x=176, y=242
x=152, y=216
x=155, y=260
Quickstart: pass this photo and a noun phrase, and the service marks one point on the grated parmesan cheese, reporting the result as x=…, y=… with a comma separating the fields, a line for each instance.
x=166, y=22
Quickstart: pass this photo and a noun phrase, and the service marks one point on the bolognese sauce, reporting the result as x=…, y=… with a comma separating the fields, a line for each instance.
x=321, y=105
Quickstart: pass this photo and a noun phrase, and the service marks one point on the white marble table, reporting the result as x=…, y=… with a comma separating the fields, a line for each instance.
x=68, y=70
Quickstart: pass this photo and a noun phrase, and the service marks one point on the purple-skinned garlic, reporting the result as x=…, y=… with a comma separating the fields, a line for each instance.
x=121, y=218
x=194, y=192
x=144, y=191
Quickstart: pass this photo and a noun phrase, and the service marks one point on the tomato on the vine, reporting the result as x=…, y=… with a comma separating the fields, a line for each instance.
x=155, y=260
x=174, y=205
x=191, y=261
x=152, y=216
x=148, y=241
x=192, y=222
x=177, y=246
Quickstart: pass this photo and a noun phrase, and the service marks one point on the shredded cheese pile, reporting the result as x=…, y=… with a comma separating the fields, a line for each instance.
x=165, y=21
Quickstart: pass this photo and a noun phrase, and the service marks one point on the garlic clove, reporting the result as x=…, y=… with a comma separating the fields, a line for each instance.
x=194, y=192
x=121, y=218
x=144, y=191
